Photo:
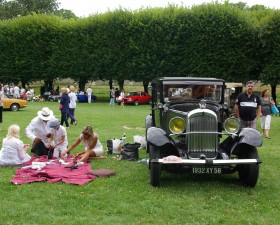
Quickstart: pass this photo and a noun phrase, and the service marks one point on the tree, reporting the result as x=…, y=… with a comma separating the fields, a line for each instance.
x=270, y=51
x=65, y=14
x=16, y=8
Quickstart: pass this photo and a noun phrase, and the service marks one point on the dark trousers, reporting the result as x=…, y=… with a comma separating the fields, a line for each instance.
x=71, y=115
x=40, y=149
x=64, y=119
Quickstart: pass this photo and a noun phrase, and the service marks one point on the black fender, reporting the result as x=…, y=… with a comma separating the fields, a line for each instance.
x=250, y=136
x=158, y=137
x=247, y=136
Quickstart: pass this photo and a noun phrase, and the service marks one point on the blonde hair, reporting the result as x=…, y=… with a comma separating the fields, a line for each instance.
x=88, y=130
x=64, y=90
x=72, y=88
x=13, y=131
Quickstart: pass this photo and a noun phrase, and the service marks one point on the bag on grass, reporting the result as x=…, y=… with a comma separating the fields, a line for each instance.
x=130, y=151
x=114, y=146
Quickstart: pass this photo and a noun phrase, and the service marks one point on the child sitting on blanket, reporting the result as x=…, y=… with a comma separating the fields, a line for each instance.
x=58, y=139
x=93, y=147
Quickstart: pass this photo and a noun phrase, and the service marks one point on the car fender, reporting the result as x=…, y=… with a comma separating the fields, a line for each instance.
x=250, y=136
x=158, y=137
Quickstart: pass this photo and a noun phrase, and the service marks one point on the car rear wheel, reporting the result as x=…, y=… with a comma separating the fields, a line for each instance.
x=248, y=174
x=136, y=102
x=155, y=168
x=14, y=107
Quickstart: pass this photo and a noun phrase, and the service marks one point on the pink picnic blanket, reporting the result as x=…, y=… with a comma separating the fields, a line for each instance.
x=53, y=172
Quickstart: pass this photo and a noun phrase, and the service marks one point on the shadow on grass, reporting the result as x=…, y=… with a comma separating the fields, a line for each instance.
x=192, y=180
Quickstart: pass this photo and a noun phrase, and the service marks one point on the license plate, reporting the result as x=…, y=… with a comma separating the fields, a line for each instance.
x=206, y=170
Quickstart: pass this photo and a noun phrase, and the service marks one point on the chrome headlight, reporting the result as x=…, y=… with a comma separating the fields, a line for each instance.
x=232, y=125
x=177, y=125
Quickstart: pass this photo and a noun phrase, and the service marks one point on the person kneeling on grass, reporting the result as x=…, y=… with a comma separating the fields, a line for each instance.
x=93, y=147
x=58, y=139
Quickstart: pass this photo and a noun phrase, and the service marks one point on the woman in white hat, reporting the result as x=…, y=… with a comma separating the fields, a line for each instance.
x=38, y=131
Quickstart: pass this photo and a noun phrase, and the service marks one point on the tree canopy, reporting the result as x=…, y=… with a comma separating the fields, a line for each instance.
x=211, y=40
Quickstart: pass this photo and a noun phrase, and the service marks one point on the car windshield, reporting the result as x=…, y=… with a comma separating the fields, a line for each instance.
x=185, y=92
x=133, y=94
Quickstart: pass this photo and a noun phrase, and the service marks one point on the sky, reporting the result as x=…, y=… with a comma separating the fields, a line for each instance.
x=84, y=8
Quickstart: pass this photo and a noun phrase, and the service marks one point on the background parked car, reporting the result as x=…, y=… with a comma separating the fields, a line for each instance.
x=53, y=98
x=136, y=98
x=84, y=98
x=13, y=104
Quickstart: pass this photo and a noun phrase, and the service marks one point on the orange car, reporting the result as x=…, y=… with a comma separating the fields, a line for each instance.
x=13, y=104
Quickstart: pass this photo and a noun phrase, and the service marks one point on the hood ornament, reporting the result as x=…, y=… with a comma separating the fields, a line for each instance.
x=202, y=104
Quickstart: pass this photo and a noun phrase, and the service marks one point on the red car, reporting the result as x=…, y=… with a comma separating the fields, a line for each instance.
x=136, y=98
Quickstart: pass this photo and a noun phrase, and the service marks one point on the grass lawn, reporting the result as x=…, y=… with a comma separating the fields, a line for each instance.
x=127, y=197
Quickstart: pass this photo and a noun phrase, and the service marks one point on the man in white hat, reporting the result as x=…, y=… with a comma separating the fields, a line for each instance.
x=38, y=131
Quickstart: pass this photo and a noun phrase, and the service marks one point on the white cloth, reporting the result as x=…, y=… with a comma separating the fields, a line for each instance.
x=73, y=100
x=98, y=148
x=57, y=136
x=12, y=152
x=38, y=128
x=265, y=122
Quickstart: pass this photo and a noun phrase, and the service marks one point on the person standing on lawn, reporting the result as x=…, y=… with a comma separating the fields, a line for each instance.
x=64, y=107
x=248, y=106
x=266, y=102
x=1, y=105
x=89, y=93
x=112, y=97
x=72, y=105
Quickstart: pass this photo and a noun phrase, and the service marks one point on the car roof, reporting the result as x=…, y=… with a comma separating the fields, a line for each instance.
x=190, y=79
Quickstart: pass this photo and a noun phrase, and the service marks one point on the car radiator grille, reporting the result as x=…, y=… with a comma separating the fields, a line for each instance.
x=202, y=138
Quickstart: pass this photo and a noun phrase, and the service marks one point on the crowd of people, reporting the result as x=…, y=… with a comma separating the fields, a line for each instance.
x=249, y=107
x=16, y=91
x=48, y=135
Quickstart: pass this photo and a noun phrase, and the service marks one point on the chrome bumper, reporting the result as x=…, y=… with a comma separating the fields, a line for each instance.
x=209, y=162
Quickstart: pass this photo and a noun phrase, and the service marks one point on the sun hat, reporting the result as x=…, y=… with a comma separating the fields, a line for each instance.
x=45, y=114
x=54, y=123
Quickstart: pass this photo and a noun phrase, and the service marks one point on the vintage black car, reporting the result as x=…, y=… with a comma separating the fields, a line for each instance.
x=189, y=131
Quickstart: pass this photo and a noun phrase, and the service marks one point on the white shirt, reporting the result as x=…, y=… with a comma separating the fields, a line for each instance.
x=89, y=91
x=12, y=152
x=73, y=100
x=38, y=128
x=16, y=90
x=57, y=135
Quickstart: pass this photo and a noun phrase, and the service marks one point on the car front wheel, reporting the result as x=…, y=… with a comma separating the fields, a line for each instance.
x=14, y=107
x=155, y=168
x=248, y=173
x=136, y=102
